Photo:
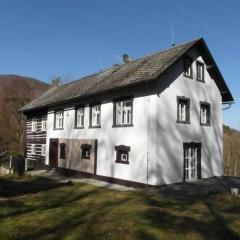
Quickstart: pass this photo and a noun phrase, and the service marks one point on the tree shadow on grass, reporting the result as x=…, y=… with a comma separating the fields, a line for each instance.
x=15, y=188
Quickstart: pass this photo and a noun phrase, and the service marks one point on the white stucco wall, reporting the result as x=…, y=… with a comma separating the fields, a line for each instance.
x=161, y=138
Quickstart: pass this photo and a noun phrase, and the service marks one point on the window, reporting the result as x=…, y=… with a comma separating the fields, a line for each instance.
x=79, y=117
x=183, y=110
x=204, y=114
x=44, y=125
x=63, y=150
x=43, y=150
x=187, y=66
x=95, y=114
x=123, y=113
x=59, y=120
x=33, y=148
x=34, y=125
x=86, y=151
x=122, y=154
x=200, y=71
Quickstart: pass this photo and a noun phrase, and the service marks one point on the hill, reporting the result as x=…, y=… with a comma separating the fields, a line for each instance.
x=231, y=143
x=15, y=91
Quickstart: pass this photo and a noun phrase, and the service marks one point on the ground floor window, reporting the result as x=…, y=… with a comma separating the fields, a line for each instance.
x=86, y=151
x=122, y=154
x=192, y=161
x=63, y=150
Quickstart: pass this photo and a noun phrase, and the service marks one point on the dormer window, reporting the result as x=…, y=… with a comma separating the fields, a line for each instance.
x=187, y=67
x=86, y=151
x=122, y=154
x=200, y=71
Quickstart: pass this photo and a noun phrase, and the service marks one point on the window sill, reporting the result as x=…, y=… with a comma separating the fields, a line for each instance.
x=200, y=80
x=205, y=124
x=85, y=158
x=123, y=125
x=123, y=162
x=78, y=127
x=58, y=129
x=183, y=122
x=94, y=127
x=187, y=76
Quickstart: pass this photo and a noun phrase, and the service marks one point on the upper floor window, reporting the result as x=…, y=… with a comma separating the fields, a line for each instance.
x=95, y=115
x=63, y=150
x=34, y=125
x=200, y=71
x=183, y=110
x=58, y=120
x=33, y=148
x=205, y=117
x=187, y=66
x=44, y=124
x=43, y=150
x=123, y=113
x=79, y=117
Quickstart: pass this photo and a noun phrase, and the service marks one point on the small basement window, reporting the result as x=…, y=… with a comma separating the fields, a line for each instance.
x=86, y=151
x=63, y=150
x=122, y=154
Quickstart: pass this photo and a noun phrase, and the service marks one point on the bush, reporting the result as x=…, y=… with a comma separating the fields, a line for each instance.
x=18, y=164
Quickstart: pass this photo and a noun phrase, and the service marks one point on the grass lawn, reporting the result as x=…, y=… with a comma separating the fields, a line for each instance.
x=37, y=208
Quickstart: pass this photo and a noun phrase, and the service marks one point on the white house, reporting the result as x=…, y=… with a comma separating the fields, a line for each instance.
x=155, y=120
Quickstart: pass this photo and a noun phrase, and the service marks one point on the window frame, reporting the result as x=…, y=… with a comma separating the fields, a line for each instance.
x=115, y=102
x=122, y=149
x=44, y=121
x=201, y=64
x=42, y=147
x=208, y=122
x=182, y=98
x=90, y=114
x=33, y=146
x=34, y=123
x=55, y=115
x=89, y=148
x=76, y=109
x=185, y=58
x=61, y=154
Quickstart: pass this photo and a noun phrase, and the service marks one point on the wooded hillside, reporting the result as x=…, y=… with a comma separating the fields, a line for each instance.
x=15, y=91
x=231, y=151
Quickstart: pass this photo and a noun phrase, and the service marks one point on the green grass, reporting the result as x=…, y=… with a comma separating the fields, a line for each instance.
x=36, y=208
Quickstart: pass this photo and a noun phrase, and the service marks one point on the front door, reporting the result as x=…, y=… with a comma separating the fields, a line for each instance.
x=53, y=153
x=192, y=161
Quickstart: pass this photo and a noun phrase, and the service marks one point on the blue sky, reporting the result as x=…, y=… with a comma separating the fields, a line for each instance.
x=73, y=38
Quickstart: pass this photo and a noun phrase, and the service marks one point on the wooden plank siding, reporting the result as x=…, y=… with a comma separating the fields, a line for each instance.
x=38, y=137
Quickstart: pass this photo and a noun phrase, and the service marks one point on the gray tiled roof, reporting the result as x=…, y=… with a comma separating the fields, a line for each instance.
x=134, y=72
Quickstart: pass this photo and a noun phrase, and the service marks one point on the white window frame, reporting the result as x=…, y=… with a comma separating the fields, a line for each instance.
x=43, y=150
x=59, y=119
x=205, y=114
x=79, y=117
x=44, y=125
x=95, y=115
x=34, y=126
x=123, y=113
x=200, y=70
x=183, y=110
x=33, y=148
x=188, y=69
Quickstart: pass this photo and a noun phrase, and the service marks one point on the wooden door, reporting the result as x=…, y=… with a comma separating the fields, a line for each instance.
x=53, y=153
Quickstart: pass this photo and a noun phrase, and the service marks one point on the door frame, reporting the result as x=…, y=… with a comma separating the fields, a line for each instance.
x=199, y=158
x=53, y=140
